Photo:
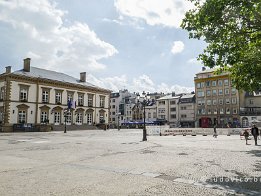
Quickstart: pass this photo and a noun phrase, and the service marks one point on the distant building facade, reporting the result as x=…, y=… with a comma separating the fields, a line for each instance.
x=250, y=108
x=121, y=106
x=38, y=96
x=217, y=101
x=187, y=110
x=178, y=110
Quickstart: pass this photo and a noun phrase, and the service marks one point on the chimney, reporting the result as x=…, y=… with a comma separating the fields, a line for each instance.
x=8, y=69
x=83, y=77
x=203, y=68
x=27, y=64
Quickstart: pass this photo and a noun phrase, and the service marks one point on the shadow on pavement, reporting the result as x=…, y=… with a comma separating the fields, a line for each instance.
x=238, y=184
x=256, y=153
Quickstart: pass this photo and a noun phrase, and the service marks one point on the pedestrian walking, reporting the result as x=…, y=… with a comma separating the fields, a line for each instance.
x=215, y=131
x=255, y=133
x=246, y=134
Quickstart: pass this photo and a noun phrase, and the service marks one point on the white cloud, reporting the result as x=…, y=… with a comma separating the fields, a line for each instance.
x=177, y=47
x=38, y=27
x=166, y=12
x=139, y=84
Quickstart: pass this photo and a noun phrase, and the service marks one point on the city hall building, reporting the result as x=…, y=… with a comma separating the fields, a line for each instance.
x=35, y=97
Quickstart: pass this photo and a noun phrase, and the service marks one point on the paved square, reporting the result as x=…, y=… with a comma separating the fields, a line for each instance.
x=113, y=162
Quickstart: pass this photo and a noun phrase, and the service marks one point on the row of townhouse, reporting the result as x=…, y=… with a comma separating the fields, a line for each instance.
x=215, y=101
x=176, y=110
x=37, y=96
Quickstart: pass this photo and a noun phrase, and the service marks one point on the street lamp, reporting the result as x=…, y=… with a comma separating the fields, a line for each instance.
x=144, y=102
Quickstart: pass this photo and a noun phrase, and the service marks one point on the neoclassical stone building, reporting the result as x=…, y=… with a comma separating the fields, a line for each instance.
x=37, y=96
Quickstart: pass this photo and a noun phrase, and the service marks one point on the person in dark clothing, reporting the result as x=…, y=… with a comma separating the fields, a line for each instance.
x=255, y=133
x=246, y=134
x=215, y=131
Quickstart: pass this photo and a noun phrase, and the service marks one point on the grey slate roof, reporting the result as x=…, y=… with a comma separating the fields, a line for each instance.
x=36, y=72
x=168, y=97
x=187, y=96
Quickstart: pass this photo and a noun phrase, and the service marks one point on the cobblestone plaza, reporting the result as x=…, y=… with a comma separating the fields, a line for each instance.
x=113, y=162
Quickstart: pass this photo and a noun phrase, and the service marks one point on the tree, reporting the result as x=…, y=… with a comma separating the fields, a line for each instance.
x=232, y=30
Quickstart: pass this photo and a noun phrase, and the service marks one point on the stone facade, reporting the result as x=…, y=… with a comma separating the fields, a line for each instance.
x=34, y=96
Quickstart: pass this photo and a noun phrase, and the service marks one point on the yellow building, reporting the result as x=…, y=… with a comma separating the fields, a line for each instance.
x=217, y=101
x=32, y=97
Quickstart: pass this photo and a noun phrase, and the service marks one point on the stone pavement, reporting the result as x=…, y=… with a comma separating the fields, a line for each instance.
x=113, y=162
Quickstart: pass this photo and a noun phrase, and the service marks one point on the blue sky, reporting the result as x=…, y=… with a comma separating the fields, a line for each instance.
x=121, y=44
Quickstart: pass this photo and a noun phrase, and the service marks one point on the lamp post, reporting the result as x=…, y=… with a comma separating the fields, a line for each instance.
x=144, y=102
x=65, y=119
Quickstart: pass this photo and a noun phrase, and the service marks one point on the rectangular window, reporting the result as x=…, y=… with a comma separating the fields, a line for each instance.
x=90, y=100
x=172, y=102
x=45, y=96
x=161, y=110
x=202, y=84
x=209, y=111
x=207, y=83
x=161, y=102
x=201, y=94
x=58, y=97
x=220, y=101
x=208, y=92
x=57, y=118
x=220, y=82
x=215, y=110
x=221, y=111
x=173, y=116
x=214, y=102
x=102, y=101
x=22, y=117
x=2, y=93
x=173, y=109
x=198, y=85
x=251, y=101
x=209, y=102
x=234, y=100
x=183, y=116
x=183, y=107
x=220, y=92
x=201, y=111
x=79, y=118
x=214, y=83
x=44, y=117
x=201, y=102
x=227, y=110
x=68, y=118
x=89, y=118
x=69, y=96
x=234, y=110
x=227, y=101
x=23, y=94
x=226, y=91
x=214, y=92
x=226, y=82
x=80, y=99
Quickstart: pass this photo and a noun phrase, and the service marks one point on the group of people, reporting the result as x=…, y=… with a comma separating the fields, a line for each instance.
x=254, y=132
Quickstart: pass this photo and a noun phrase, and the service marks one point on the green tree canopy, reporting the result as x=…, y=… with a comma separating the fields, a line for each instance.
x=232, y=29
